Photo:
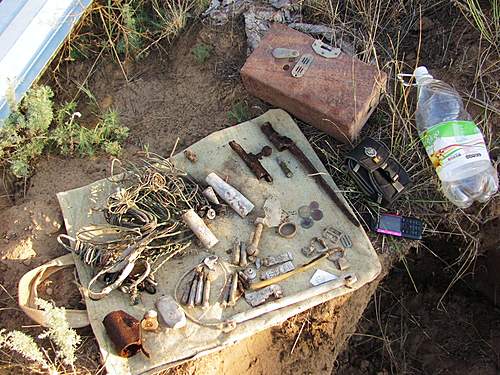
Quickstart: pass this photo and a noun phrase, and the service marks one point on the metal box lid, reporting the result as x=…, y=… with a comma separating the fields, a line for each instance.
x=336, y=95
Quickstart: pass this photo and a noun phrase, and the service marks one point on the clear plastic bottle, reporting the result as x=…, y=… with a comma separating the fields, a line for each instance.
x=453, y=142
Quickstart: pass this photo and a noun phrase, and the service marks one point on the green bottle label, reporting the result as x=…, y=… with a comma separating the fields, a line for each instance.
x=452, y=144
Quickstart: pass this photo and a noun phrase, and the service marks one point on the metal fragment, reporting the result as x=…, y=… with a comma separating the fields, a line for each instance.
x=243, y=254
x=287, y=230
x=250, y=273
x=230, y=195
x=302, y=65
x=304, y=212
x=258, y=263
x=306, y=223
x=321, y=277
x=317, y=215
x=258, y=297
x=325, y=50
x=343, y=264
x=234, y=289
x=314, y=205
x=150, y=321
x=170, y=312
x=277, y=270
x=277, y=259
x=252, y=160
x=199, y=290
x=199, y=228
x=346, y=241
x=191, y=156
x=236, y=253
x=210, y=261
x=285, y=53
x=284, y=167
x=209, y=193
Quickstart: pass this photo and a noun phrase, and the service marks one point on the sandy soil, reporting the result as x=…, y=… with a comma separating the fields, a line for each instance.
x=169, y=96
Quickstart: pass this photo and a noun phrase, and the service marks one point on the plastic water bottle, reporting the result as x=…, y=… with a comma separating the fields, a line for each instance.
x=453, y=142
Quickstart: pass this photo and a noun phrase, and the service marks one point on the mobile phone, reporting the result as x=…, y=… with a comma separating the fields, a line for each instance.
x=399, y=226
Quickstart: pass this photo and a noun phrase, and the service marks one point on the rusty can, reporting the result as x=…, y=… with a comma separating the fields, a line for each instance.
x=125, y=333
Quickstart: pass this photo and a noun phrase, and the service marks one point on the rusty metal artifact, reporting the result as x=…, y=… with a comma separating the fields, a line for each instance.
x=283, y=143
x=125, y=333
x=252, y=160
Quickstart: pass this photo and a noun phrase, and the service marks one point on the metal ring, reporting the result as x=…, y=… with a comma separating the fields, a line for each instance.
x=287, y=229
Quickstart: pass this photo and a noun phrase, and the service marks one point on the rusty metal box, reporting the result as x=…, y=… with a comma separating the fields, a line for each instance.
x=336, y=95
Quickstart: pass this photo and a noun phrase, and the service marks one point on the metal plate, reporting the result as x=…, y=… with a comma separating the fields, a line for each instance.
x=302, y=65
x=285, y=53
x=325, y=50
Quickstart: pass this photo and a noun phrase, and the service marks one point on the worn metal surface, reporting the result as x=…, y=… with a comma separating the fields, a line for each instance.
x=258, y=297
x=124, y=331
x=335, y=95
x=252, y=160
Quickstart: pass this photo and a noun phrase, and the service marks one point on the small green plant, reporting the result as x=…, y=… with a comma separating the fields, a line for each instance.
x=70, y=138
x=201, y=52
x=239, y=113
x=28, y=131
x=23, y=136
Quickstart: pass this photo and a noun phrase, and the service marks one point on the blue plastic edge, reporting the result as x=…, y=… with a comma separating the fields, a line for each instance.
x=45, y=55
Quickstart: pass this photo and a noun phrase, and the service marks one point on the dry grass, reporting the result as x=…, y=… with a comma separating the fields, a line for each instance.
x=384, y=33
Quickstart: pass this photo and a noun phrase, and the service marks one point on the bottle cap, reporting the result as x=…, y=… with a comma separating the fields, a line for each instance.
x=421, y=74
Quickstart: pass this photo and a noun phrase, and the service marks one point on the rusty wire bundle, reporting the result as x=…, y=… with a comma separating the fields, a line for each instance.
x=144, y=227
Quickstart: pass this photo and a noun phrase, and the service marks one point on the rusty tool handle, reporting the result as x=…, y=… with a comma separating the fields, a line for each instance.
x=284, y=143
x=252, y=161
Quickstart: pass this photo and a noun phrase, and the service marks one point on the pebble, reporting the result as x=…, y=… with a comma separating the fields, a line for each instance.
x=170, y=312
x=49, y=291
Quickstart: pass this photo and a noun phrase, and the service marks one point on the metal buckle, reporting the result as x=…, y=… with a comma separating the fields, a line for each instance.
x=302, y=65
x=325, y=50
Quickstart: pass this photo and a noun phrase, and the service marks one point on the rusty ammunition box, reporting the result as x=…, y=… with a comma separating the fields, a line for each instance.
x=336, y=95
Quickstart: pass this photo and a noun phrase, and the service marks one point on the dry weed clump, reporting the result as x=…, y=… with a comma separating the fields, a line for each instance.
x=64, y=341
x=385, y=33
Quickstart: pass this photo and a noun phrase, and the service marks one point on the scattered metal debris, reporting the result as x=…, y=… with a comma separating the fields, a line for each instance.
x=283, y=143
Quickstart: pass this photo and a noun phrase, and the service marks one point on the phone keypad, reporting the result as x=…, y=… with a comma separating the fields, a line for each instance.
x=411, y=228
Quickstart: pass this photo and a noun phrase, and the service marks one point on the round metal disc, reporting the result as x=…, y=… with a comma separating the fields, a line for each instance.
x=304, y=212
x=317, y=215
x=314, y=205
x=306, y=223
